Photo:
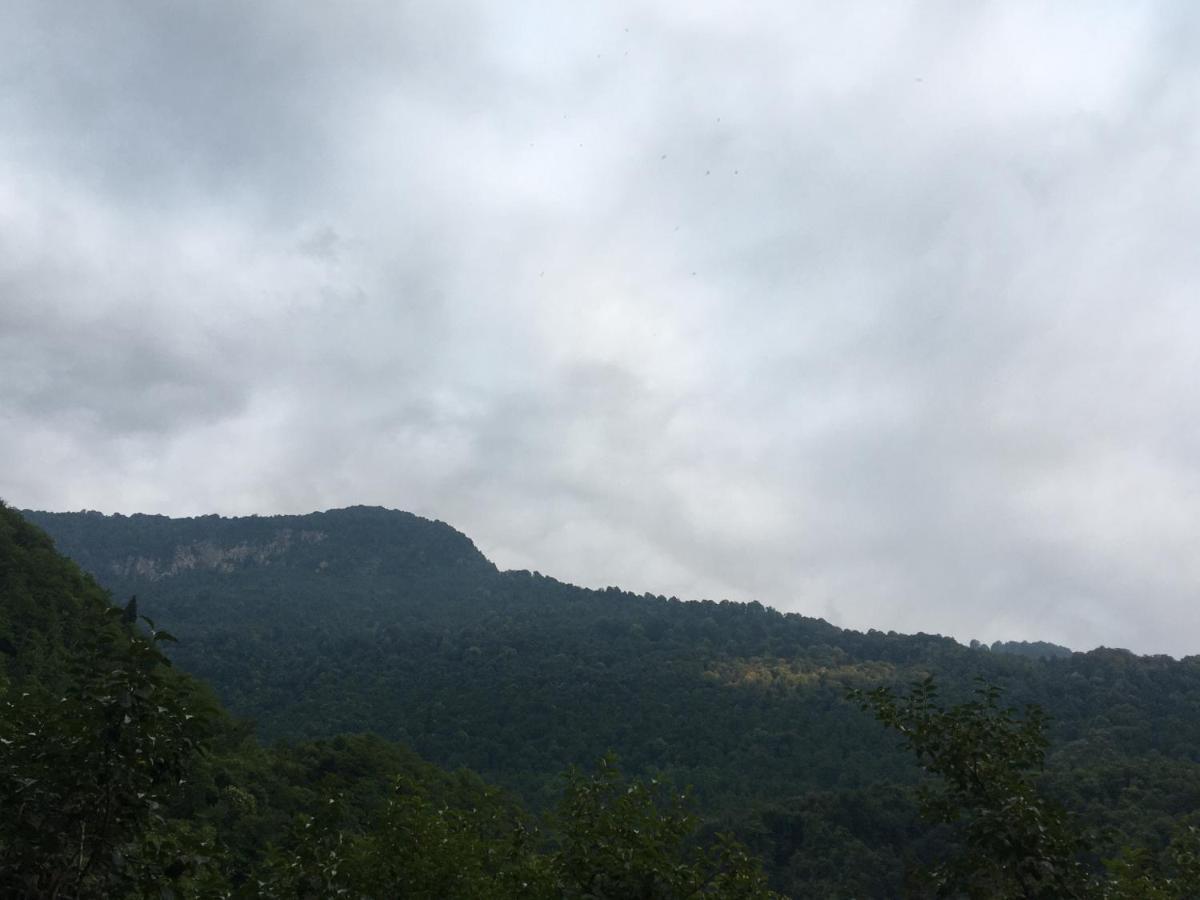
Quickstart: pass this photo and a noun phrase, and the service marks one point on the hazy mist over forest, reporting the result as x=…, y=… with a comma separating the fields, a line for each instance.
x=882, y=313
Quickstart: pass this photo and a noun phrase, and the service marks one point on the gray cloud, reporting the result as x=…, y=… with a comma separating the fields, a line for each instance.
x=879, y=315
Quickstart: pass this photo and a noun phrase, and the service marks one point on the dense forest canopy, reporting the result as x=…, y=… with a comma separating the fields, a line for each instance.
x=368, y=621
x=120, y=777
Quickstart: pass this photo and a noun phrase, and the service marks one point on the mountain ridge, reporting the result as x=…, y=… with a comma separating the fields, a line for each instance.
x=204, y=551
x=519, y=676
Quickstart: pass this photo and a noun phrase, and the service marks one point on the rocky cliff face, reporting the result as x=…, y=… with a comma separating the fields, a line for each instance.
x=212, y=556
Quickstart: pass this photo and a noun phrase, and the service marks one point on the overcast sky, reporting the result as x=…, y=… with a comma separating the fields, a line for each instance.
x=886, y=313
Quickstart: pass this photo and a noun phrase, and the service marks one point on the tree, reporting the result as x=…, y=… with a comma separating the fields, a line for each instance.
x=615, y=840
x=634, y=841
x=1014, y=842
x=1136, y=874
x=85, y=774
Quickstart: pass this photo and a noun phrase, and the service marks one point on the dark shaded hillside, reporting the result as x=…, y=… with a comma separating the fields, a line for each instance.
x=371, y=619
x=47, y=605
x=367, y=619
x=120, y=778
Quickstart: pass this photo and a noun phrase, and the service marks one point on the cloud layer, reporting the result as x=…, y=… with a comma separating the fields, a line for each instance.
x=882, y=315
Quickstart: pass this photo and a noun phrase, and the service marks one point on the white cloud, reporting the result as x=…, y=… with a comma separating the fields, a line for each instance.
x=880, y=314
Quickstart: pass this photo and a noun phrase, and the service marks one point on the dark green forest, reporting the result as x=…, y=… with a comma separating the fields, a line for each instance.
x=406, y=720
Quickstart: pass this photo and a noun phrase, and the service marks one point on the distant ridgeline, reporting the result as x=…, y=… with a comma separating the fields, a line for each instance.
x=370, y=620
x=1032, y=649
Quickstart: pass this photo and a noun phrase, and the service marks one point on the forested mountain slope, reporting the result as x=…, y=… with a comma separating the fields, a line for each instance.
x=372, y=620
x=121, y=779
